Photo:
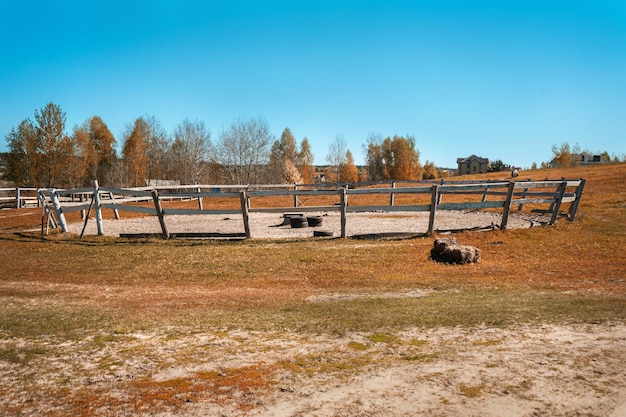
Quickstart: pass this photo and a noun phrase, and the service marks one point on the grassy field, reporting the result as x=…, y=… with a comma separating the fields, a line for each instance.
x=74, y=311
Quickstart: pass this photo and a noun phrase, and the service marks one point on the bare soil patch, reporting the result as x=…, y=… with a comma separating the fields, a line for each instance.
x=270, y=226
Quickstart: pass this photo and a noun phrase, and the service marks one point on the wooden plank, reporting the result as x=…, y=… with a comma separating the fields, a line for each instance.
x=471, y=205
x=433, y=209
x=557, y=205
x=507, y=206
x=71, y=209
x=243, y=200
x=412, y=190
x=308, y=209
x=344, y=213
x=404, y=208
x=159, y=212
x=172, y=211
x=573, y=208
x=123, y=191
x=274, y=193
x=136, y=209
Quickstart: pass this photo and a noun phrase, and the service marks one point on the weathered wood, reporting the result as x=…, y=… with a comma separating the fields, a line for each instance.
x=56, y=206
x=159, y=211
x=295, y=196
x=96, y=198
x=573, y=208
x=115, y=212
x=82, y=233
x=433, y=209
x=387, y=209
x=471, y=205
x=557, y=204
x=243, y=199
x=136, y=209
x=507, y=206
x=173, y=211
x=343, y=203
x=200, y=205
x=301, y=208
x=18, y=200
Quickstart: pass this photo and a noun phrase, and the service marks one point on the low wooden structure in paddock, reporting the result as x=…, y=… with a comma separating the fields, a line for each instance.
x=545, y=196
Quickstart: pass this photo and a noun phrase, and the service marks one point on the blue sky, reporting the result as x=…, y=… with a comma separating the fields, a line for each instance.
x=500, y=79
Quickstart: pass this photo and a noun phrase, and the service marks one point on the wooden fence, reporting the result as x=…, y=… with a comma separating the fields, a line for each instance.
x=427, y=197
x=19, y=197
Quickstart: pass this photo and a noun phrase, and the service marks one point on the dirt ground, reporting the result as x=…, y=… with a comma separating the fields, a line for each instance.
x=270, y=226
x=546, y=370
x=524, y=370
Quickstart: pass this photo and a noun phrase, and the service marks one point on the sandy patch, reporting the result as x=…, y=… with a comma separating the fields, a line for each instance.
x=546, y=370
x=269, y=226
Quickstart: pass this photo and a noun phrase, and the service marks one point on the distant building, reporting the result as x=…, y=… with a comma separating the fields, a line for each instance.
x=580, y=159
x=472, y=165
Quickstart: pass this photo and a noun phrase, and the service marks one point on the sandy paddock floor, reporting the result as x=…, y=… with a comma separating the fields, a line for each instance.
x=270, y=226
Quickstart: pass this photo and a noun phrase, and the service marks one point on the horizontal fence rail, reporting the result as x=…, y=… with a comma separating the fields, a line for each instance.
x=426, y=197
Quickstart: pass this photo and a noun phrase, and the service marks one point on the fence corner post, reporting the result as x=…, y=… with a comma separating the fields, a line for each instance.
x=98, y=207
x=243, y=199
x=558, y=199
x=573, y=208
x=56, y=205
x=434, y=200
x=507, y=205
x=343, y=203
x=159, y=211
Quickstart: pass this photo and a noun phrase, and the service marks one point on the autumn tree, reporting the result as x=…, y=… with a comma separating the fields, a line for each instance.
x=22, y=158
x=563, y=155
x=157, y=146
x=336, y=156
x=282, y=159
x=191, y=153
x=243, y=150
x=305, y=162
x=134, y=158
x=374, y=158
x=40, y=151
x=95, y=151
x=348, y=171
x=429, y=171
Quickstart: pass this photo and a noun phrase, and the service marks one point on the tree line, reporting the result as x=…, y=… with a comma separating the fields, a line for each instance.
x=42, y=154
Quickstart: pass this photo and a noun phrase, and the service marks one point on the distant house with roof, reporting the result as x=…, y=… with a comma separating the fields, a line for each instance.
x=472, y=165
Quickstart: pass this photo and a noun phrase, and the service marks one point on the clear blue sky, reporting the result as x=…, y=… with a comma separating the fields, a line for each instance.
x=500, y=79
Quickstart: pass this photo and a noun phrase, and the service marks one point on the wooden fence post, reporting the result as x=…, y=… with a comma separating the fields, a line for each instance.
x=56, y=205
x=392, y=195
x=558, y=198
x=507, y=205
x=343, y=203
x=18, y=200
x=200, y=206
x=96, y=203
x=434, y=199
x=439, y=195
x=295, y=196
x=573, y=208
x=159, y=211
x=115, y=212
x=243, y=199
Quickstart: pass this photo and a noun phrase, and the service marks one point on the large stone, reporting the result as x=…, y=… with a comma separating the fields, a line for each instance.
x=450, y=251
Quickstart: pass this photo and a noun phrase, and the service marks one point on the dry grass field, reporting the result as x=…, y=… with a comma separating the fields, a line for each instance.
x=105, y=326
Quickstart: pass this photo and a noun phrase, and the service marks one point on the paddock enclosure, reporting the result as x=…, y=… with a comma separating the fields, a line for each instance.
x=341, y=203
